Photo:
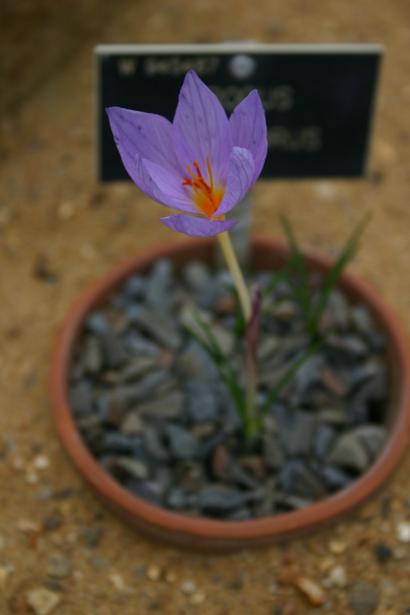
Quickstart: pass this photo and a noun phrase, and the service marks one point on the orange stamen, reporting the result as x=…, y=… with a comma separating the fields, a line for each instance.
x=207, y=197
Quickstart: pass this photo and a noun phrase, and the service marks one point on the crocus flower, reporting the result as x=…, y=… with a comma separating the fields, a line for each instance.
x=202, y=164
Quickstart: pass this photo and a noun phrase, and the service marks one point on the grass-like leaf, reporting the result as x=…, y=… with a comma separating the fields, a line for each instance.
x=288, y=375
x=332, y=278
x=222, y=363
x=296, y=267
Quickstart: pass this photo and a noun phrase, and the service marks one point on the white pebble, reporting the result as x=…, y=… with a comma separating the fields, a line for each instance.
x=41, y=462
x=27, y=526
x=188, y=587
x=197, y=598
x=153, y=573
x=403, y=531
x=325, y=190
x=118, y=582
x=66, y=210
x=337, y=547
x=5, y=571
x=42, y=600
x=336, y=578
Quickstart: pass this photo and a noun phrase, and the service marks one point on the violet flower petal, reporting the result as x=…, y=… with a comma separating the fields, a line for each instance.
x=167, y=186
x=241, y=176
x=248, y=129
x=198, y=227
x=201, y=128
x=144, y=134
x=144, y=141
x=145, y=181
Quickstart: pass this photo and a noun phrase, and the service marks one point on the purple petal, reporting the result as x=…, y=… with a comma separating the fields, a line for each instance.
x=248, y=129
x=140, y=134
x=198, y=227
x=166, y=187
x=144, y=141
x=241, y=176
x=201, y=128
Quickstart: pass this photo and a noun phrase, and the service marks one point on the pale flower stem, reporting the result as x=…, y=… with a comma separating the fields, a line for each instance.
x=232, y=262
x=245, y=301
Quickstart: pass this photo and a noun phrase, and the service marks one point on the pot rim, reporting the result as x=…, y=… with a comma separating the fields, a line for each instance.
x=247, y=532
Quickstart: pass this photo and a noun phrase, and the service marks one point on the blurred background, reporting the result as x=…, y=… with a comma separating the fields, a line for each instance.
x=60, y=229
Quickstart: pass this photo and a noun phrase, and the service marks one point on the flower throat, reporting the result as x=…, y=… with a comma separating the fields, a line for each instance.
x=206, y=195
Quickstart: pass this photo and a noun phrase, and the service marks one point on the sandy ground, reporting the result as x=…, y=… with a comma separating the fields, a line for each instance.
x=59, y=230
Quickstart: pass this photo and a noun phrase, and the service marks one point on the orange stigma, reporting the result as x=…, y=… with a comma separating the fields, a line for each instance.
x=206, y=195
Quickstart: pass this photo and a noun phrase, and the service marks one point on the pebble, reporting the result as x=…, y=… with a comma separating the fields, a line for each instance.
x=348, y=452
x=154, y=446
x=59, y=566
x=311, y=590
x=118, y=582
x=154, y=572
x=92, y=536
x=43, y=601
x=373, y=437
x=383, y=553
x=168, y=408
x=197, y=598
x=323, y=439
x=335, y=478
x=225, y=467
x=188, y=587
x=159, y=281
x=132, y=424
x=326, y=190
x=134, y=287
x=182, y=443
x=295, y=430
x=202, y=403
x=66, y=211
x=221, y=500
x=161, y=328
x=273, y=454
x=297, y=478
x=196, y=276
x=41, y=462
x=363, y=598
x=28, y=526
x=403, y=531
x=133, y=467
x=336, y=578
x=5, y=571
x=337, y=547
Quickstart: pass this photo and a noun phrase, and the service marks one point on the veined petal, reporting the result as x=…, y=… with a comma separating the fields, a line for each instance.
x=146, y=174
x=248, y=129
x=198, y=227
x=241, y=176
x=144, y=134
x=167, y=186
x=201, y=128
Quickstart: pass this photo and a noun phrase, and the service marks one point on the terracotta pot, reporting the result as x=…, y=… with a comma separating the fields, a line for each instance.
x=203, y=533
